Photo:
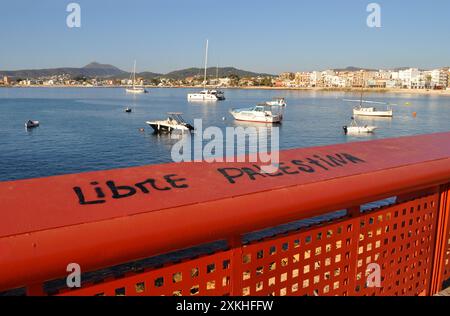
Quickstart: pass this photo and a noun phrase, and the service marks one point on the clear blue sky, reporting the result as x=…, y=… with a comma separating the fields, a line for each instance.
x=259, y=35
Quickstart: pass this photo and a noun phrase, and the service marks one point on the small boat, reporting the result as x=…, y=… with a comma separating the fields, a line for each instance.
x=206, y=95
x=135, y=89
x=174, y=122
x=261, y=113
x=355, y=128
x=31, y=124
x=277, y=102
x=128, y=110
x=372, y=111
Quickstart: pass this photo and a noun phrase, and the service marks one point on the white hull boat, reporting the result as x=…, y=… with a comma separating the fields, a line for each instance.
x=207, y=95
x=31, y=124
x=259, y=114
x=355, y=128
x=359, y=129
x=135, y=89
x=360, y=111
x=174, y=122
x=277, y=102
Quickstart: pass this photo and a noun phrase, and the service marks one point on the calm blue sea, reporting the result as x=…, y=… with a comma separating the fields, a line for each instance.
x=87, y=129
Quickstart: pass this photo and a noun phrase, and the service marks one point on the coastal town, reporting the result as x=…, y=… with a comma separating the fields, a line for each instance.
x=405, y=78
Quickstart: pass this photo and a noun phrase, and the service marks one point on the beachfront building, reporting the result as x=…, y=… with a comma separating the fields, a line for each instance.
x=410, y=78
x=315, y=78
x=439, y=78
x=5, y=80
x=287, y=76
x=303, y=79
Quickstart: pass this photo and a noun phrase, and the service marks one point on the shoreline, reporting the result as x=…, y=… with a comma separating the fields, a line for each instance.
x=350, y=90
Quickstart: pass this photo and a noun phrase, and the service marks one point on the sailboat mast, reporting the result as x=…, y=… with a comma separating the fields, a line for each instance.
x=206, y=62
x=134, y=74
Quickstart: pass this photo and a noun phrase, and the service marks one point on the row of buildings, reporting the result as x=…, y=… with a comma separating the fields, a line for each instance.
x=411, y=78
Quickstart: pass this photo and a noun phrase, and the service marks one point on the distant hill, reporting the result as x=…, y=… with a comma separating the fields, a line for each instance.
x=351, y=69
x=98, y=70
x=91, y=70
x=212, y=72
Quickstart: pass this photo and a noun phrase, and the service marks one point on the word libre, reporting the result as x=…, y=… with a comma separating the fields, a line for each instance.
x=309, y=165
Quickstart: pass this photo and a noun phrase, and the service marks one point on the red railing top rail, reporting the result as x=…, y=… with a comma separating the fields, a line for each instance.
x=47, y=203
x=100, y=219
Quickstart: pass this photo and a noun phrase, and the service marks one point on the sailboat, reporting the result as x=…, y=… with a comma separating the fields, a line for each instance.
x=135, y=89
x=370, y=111
x=206, y=94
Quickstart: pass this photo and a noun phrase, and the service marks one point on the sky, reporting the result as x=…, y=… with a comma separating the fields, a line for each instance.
x=269, y=36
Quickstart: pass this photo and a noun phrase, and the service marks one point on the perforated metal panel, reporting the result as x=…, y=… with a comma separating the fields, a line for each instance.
x=400, y=239
x=206, y=276
x=325, y=260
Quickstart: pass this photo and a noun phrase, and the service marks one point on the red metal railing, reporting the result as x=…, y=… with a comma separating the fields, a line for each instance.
x=103, y=219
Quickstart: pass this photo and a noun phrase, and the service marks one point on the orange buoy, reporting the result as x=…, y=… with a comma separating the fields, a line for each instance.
x=414, y=114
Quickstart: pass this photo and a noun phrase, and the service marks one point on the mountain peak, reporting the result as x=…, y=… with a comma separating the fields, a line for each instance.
x=96, y=65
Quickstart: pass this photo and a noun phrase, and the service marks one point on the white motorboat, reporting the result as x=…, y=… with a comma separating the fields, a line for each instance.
x=262, y=113
x=206, y=95
x=135, y=89
x=31, y=124
x=174, y=122
x=277, y=102
x=355, y=128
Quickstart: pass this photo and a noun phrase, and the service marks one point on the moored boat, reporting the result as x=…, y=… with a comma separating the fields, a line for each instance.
x=262, y=113
x=31, y=124
x=277, y=102
x=206, y=94
x=372, y=111
x=135, y=89
x=355, y=128
x=174, y=122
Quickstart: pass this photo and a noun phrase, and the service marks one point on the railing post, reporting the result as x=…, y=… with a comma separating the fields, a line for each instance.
x=442, y=232
x=35, y=290
x=235, y=244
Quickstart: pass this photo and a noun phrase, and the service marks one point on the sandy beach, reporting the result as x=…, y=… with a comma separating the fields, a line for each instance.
x=445, y=93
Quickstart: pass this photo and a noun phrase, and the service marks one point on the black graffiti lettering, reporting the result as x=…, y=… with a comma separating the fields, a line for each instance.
x=338, y=160
x=99, y=191
x=317, y=163
x=152, y=183
x=230, y=177
x=252, y=174
x=352, y=158
x=303, y=167
x=285, y=169
x=325, y=161
x=278, y=174
x=173, y=182
x=82, y=199
x=130, y=191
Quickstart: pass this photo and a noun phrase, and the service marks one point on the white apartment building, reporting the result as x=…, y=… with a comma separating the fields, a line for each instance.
x=439, y=78
x=411, y=78
x=315, y=78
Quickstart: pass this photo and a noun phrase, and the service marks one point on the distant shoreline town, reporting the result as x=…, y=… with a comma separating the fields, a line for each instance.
x=349, y=79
